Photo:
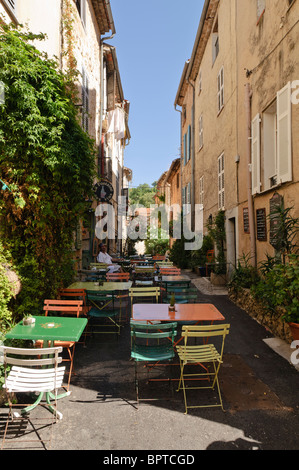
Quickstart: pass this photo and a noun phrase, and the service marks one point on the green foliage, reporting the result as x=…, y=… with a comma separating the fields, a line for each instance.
x=279, y=287
x=6, y=291
x=245, y=275
x=47, y=161
x=199, y=257
x=143, y=195
x=216, y=230
x=180, y=257
x=285, y=240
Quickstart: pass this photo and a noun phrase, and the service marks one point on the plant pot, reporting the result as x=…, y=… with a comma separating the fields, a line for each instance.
x=294, y=327
x=29, y=321
x=218, y=279
x=202, y=271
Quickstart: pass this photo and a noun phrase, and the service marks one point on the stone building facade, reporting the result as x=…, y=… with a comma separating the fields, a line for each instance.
x=239, y=95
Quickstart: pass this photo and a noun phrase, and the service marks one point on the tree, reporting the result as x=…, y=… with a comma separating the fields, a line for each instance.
x=47, y=163
x=143, y=195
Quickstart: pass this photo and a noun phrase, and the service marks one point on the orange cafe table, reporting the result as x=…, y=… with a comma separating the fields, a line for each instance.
x=182, y=313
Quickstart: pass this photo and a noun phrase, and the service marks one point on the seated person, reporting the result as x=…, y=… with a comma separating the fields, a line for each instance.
x=103, y=257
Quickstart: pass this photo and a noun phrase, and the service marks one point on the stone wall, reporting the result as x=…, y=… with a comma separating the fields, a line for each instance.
x=273, y=323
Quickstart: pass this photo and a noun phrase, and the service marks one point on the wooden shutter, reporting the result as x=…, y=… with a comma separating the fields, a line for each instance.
x=284, y=135
x=185, y=149
x=256, y=154
x=188, y=143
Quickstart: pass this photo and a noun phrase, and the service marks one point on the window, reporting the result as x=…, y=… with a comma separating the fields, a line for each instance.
x=200, y=132
x=81, y=7
x=220, y=91
x=201, y=190
x=85, y=100
x=186, y=198
x=215, y=42
x=272, y=144
x=221, y=182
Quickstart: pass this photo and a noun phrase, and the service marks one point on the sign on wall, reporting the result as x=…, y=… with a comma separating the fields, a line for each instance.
x=104, y=191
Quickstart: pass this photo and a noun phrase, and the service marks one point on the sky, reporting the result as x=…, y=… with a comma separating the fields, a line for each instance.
x=154, y=39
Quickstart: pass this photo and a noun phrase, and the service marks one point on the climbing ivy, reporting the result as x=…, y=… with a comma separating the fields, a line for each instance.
x=47, y=161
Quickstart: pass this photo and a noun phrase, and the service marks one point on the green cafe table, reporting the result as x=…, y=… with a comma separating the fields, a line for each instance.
x=48, y=328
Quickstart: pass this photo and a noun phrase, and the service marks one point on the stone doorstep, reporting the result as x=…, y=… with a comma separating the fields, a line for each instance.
x=283, y=349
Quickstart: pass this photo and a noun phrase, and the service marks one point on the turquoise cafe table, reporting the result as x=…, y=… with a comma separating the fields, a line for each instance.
x=49, y=329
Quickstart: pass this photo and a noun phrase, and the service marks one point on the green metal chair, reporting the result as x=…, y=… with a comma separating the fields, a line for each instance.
x=182, y=295
x=151, y=344
x=102, y=305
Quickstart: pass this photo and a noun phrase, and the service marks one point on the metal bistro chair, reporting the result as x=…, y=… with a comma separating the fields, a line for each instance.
x=63, y=307
x=170, y=271
x=120, y=297
x=140, y=294
x=199, y=355
x=151, y=344
x=118, y=277
x=102, y=305
x=29, y=374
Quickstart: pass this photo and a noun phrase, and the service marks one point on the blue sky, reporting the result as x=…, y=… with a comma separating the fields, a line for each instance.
x=153, y=40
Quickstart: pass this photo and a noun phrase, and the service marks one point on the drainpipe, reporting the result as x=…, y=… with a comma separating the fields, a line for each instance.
x=193, y=160
x=181, y=135
x=101, y=147
x=248, y=95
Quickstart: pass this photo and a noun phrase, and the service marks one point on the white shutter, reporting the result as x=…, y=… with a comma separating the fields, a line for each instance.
x=256, y=154
x=284, y=135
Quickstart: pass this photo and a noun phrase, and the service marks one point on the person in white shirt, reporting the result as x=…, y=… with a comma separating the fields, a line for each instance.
x=103, y=257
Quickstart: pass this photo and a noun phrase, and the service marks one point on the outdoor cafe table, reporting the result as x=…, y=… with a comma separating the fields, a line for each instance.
x=49, y=329
x=183, y=313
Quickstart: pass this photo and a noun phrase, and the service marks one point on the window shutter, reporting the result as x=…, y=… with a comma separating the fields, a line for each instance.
x=185, y=149
x=189, y=193
x=256, y=154
x=284, y=135
x=188, y=143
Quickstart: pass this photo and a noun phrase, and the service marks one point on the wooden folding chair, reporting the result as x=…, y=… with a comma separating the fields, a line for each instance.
x=199, y=355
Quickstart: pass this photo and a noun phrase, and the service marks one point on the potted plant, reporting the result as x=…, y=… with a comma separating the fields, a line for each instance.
x=172, y=303
x=28, y=320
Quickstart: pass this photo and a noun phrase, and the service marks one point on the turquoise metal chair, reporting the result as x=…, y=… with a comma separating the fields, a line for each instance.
x=151, y=344
x=102, y=305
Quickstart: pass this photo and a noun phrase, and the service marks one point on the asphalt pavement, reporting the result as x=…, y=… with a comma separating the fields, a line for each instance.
x=259, y=389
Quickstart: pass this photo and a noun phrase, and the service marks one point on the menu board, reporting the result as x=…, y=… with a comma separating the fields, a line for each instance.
x=246, y=220
x=261, y=226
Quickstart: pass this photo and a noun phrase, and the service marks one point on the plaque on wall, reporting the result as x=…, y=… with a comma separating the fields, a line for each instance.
x=104, y=191
x=261, y=226
x=246, y=220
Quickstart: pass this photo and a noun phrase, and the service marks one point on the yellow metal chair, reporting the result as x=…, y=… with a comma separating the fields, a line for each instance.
x=140, y=293
x=199, y=355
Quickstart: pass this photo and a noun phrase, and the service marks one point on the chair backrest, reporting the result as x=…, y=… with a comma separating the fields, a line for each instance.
x=144, y=270
x=100, y=296
x=164, y=264
x=210, y=256
x=76, y=294
x=153, y=331
x=205, y=331
x=144, y=292
x=43, y=379
x=118, y=277
x=98, y=265
x=70, y=307
x=159, y=257
x=170, y=271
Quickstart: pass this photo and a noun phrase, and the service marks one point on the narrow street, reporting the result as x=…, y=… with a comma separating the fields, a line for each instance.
x=259, y=387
